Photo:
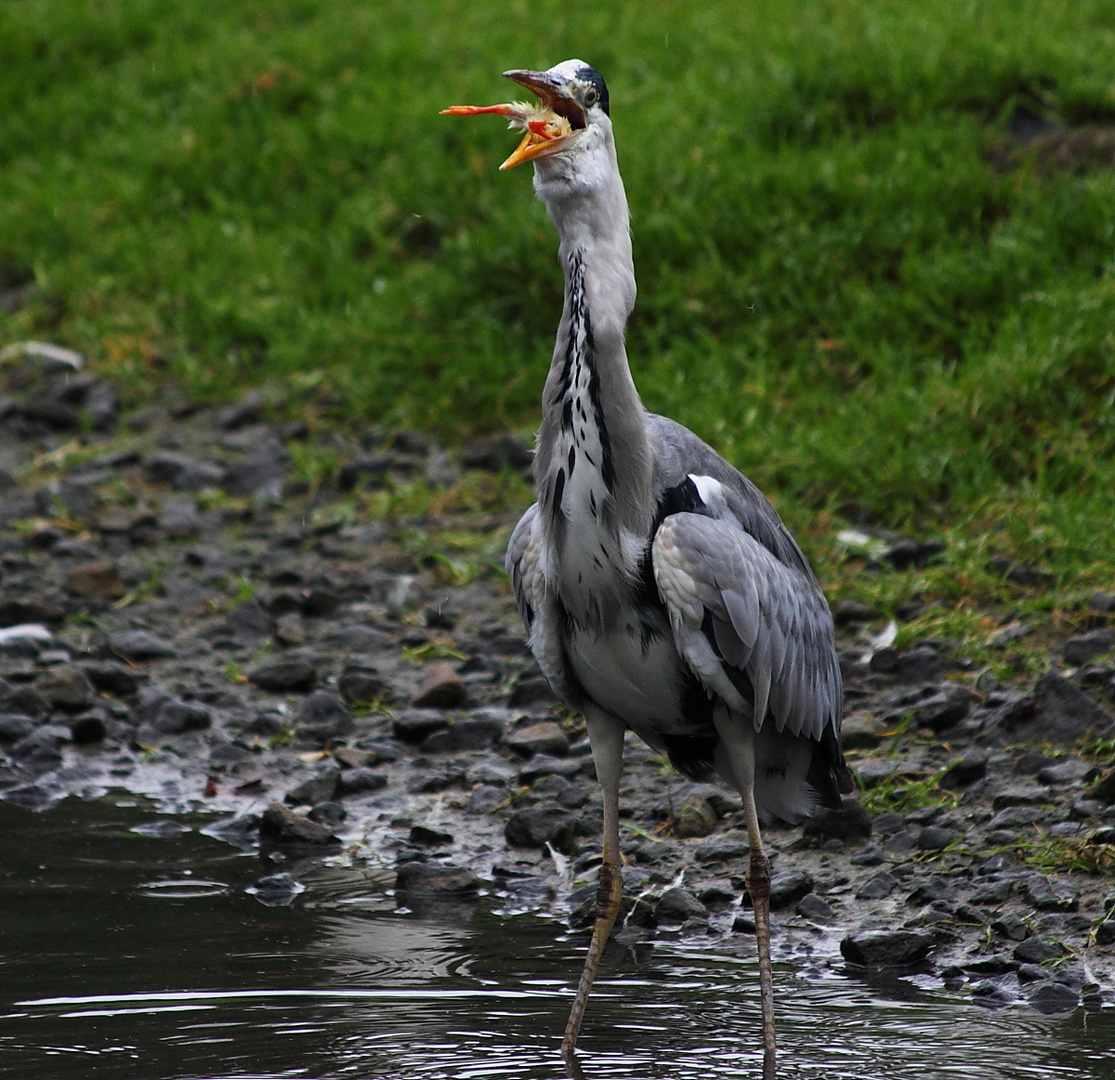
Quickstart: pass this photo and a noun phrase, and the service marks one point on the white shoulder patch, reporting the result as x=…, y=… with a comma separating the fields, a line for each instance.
x=709, y=490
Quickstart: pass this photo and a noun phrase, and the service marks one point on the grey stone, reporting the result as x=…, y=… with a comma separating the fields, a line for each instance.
x=868, y=855
x=676, y=905
x=993, y=892
x=1086, y=647
x=261, y=473
x=899, y=843
x=1051, y=894
x=322, y=716
x=490, y=772
x=111, y=678
x=1019, y=796
x=66, y=687
x=179, y=517
x=933, y=890
x=471, y=733
x=992, y=964
x=413, y=725
x=722, y=849
x=966, y=770
x=436, y=879
x=42, y=747
x=990, y=995
x=1036, y=951
x=887, y=823
x=1015, y=817
x=175, y=716
x=1011, y=925
x=544, y=738
x=936, y=838
x=859, y=733
x=789, y=886
x=543, y=765
x=534, y=826
x=362, y=683
x=816, y=908
x=249, y=621
x=362, y=778
x=140, y=646
x=14, y=726
x=282, y=825
x=946, y=708
x=850, y=610
x=285, y=676
x=318, y=788
x=1055, y=711
x=887, y=948
x=921, y=664
x=1067, y=771
x=425, y=837
x=1054, y=997
x=877, y=887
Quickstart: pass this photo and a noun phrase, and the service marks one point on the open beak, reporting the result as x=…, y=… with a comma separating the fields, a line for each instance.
x=547, y=128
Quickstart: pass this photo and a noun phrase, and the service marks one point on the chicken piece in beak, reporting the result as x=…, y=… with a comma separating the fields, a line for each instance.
x=545, y=132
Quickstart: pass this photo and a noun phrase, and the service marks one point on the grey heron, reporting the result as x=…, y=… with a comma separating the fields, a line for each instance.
x=659, y=589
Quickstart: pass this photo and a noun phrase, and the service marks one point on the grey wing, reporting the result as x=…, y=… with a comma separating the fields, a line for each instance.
x=755, y=631
x=522, y=563
x=539, y=608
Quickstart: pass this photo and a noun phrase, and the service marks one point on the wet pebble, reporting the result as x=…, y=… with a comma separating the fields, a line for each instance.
x=317, y=789
x=66, y=687
x=877, y=948
x=96, y=580
x=361, y=682
x=534, y=826
x=426, y=837
x=1086, y=647
x=435, y=879
x=281, y=824
x=965, y=770
x=877, y=887
x=1051, y=894
x=543, y=765
x=1054, y=997
x=363, y=778
x=322, y=716
x=140, y=646
x=789, y=886
x=542, y=738
x=475, y=732
x=678, y=904
x=285, y=676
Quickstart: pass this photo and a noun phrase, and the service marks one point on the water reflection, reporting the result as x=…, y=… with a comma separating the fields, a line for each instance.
x=138, y=954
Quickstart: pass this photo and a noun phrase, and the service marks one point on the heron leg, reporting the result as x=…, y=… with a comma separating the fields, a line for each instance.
x=605, y=734
x=738, y=738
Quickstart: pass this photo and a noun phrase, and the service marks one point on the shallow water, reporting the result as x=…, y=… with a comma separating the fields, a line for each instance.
x=130, y=949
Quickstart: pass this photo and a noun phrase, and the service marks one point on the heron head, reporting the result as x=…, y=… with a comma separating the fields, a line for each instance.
x=571, y=114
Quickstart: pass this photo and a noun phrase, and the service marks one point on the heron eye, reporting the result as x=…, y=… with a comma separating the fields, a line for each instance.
x=591, y=95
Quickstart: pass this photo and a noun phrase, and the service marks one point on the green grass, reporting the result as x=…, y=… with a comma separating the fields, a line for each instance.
x=840, y=288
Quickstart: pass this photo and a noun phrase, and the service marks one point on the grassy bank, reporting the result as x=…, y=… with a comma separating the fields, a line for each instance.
x=874, y=241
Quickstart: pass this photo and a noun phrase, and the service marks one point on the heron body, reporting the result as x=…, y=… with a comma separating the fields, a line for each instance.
x=659, y=589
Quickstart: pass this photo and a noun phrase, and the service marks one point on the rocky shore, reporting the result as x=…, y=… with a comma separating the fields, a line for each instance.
x=310, y=635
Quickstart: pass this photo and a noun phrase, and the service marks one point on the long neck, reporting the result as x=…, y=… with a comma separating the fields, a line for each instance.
x=592, y=458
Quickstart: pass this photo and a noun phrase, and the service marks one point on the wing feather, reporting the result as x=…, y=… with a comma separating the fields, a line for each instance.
x=740, y=615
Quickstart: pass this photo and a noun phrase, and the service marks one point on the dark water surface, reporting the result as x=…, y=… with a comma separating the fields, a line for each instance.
x=130, y=949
